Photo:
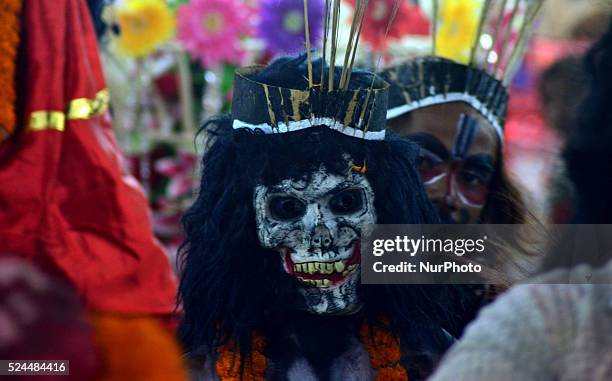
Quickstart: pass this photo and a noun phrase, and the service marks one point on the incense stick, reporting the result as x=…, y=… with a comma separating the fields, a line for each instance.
x=334, y=38
x=350, y=71
x=325, y=34
x=434, y=25
x=532, y=12
x=506, y=37
x=485, y=11
x=349, y=48
x=497, y=26
x=391, y=19
x=307, y=34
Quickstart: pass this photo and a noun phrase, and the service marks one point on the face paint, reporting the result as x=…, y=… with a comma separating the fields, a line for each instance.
x=456, y=164
x=466, y=128
x=461, y=183
x=315, y=225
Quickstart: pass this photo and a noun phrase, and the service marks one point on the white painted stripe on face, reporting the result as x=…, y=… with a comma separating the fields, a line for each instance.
x=435, y=179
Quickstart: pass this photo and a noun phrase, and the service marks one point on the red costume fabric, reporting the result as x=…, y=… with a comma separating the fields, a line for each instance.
x=66, y=202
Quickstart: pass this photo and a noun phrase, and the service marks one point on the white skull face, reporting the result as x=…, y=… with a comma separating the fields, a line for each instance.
x=316, y=225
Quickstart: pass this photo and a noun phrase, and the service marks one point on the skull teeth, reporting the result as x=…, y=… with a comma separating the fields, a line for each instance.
x=325, y=268
x=324, y=283
x=349, y=270
x=320, y=267
x=339, y=266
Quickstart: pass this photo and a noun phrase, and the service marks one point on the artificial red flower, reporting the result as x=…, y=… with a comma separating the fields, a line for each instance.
x=409, y=20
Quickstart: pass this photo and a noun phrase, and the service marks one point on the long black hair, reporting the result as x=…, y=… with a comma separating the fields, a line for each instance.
x=588, y=152
x=231, y=287
x=588, y=158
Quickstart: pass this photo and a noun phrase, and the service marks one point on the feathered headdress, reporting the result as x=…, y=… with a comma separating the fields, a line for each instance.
x=476, y=48
x=321, y=99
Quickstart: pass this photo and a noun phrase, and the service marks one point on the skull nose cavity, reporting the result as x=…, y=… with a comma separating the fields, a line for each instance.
x=321, y=238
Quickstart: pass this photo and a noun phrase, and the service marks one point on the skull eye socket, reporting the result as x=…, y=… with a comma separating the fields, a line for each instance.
x=286, y=208
x=347, y=201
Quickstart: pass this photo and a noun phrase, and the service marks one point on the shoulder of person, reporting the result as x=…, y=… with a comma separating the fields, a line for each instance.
x=571, y=293
x=582, y=274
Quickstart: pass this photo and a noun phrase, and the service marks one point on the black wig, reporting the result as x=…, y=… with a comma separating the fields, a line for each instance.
x=588, y=157
x=588, y=153
x=231, y=287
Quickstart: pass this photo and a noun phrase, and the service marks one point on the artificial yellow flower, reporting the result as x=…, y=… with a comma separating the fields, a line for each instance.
x=143, y=25
x=458, y=24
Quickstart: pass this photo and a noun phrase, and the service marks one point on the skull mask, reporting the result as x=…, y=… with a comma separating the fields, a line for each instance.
x=315, y=224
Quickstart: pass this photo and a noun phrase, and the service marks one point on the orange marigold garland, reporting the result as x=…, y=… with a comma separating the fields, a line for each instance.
x=9, y=42
x=382, y=346
x=384, y=351
x=228, y=363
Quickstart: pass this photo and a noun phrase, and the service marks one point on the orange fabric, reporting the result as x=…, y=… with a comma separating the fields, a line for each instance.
x=136, y=349
x=9, y=41
x=66, y=202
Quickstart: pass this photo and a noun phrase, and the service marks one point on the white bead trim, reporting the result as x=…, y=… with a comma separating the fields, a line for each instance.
x=394, y=112
x=291, y=126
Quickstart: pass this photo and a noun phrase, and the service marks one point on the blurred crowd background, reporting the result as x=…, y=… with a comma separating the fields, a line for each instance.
x=168, y=66
x=167, y=71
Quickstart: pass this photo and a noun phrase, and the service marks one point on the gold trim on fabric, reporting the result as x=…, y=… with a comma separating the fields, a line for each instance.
x=80, y=108
x=270, y=111
x=297, y=98
x=348, y=118
x=47, y=120
x=83, y=108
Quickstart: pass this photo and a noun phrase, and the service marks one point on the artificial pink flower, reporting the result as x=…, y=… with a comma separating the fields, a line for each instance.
x=180, y=171
x=211, y=30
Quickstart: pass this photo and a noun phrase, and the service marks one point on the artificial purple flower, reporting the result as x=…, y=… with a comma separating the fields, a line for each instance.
x=281, y=25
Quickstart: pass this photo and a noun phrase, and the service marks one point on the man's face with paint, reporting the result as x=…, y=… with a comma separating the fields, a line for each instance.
x=458, y=157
